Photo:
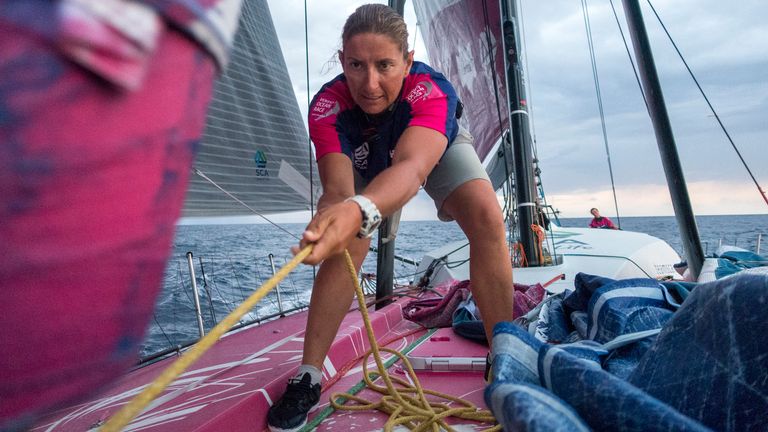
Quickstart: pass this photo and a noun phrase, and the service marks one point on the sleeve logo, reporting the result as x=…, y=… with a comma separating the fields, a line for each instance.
x=421, y=91
x=324, y=108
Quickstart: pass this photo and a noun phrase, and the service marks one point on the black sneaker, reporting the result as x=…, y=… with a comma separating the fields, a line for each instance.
x=289, y=414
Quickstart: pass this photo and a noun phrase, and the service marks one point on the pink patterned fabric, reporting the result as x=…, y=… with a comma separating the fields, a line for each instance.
x=436, y=311
x=527, y=297
x=116, y=39
x=92, y=179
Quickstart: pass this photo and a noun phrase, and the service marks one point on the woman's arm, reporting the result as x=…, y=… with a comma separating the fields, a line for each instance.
x=417, y=152
x=337, y=222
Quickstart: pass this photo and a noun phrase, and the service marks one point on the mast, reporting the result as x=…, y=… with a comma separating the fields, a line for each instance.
x=385, y=258
x=523, y=147
x=664, y=138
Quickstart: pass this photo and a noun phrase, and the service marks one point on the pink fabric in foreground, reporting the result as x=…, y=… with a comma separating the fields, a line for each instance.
x=92, y=180
x=437, y=310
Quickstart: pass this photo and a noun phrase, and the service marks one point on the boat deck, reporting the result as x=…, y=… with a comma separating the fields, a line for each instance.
x=232, y=386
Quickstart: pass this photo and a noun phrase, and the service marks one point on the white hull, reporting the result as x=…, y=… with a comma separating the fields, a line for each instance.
x=610, y=253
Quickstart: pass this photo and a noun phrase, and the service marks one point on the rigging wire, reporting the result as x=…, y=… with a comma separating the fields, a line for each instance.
x=690, y=72
x=507, y=191
x=531, y=120
x=629, y=55
x=588, y=27
x=207, y=290
x=701, y=90
x=227, y=303
x=491, y=58
x=208, y=179
x=309, y=140
x=529, y=100
x=154, y=317
x=529, y=97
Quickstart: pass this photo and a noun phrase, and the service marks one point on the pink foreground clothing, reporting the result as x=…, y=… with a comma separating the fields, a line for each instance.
x=92, y=180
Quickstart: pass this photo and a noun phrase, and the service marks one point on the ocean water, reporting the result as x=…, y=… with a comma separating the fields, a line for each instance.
x=231, y=261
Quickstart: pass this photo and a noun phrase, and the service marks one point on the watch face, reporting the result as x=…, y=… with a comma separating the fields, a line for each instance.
x=369, y=226
x=375, y=223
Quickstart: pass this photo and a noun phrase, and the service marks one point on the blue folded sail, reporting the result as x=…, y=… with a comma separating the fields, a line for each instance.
x=638, y=359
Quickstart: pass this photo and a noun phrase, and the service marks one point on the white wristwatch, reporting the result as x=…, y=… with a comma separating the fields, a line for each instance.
x=371, y=216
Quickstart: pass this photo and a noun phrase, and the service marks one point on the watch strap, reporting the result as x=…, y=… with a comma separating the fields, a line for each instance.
x=370, y=214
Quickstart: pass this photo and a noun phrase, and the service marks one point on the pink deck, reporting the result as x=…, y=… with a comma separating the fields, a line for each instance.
x=232, y=386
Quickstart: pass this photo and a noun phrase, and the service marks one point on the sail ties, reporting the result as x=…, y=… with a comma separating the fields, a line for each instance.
x=152, y=391
x=407, y=404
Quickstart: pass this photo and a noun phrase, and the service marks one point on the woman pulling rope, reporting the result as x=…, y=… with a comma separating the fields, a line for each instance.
x=381, y=129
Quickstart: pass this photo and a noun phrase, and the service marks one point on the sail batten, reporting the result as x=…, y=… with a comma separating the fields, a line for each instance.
x=253, y=127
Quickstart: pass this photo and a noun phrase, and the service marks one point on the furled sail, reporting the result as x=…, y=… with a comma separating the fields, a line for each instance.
x=255, y=146
x=464, y=42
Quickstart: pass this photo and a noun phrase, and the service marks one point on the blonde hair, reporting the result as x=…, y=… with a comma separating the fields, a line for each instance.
x=377, y=19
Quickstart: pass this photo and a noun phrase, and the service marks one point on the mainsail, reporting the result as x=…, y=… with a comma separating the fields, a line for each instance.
x=464, y=42
x=255, y=146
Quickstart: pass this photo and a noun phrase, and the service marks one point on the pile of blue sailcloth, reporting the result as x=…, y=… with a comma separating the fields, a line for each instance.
x=637, y=355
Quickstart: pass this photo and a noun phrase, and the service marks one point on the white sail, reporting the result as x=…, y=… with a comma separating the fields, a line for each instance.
x=253, y=128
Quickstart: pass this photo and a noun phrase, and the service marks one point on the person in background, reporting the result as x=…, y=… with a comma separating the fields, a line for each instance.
x=102, y=104
x=384, y=127
x=600, y=221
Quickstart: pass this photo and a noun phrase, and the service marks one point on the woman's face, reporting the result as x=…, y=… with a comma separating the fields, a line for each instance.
x=375, y=68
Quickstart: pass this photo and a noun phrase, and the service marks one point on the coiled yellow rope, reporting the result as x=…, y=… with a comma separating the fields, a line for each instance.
x=406, y=405
x=139, y=402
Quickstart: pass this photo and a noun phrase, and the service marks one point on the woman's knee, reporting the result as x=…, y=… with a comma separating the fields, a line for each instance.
x=478, y=214
x=484, y=222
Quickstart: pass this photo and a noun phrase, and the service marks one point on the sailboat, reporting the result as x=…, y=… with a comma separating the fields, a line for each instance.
x=231, y=387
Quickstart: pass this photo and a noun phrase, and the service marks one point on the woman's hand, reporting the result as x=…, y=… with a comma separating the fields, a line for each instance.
x=338, y=221
x=330, y=231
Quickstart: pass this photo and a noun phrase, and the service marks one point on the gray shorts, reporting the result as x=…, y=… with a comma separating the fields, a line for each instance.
x=458, y=165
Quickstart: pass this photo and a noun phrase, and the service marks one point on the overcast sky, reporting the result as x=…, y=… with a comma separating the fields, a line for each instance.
x=724, y=44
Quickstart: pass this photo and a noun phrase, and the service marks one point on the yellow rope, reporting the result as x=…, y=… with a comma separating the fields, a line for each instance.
x=140, y=401
x=415, y=412
x=406, y=405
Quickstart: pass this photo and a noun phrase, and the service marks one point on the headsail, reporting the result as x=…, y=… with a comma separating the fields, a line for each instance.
x=253, y=130
x=464, y=42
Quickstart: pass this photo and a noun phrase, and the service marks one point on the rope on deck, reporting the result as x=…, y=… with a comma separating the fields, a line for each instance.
x=142, y=400
x=407, y=405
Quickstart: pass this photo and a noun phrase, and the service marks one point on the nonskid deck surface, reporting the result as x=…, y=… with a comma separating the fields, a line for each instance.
x=232, y=386
x=229, y=381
